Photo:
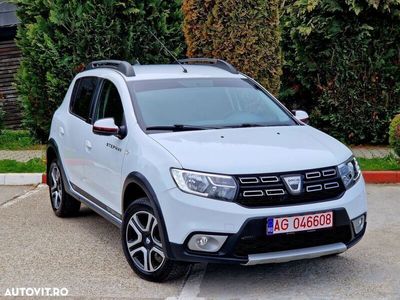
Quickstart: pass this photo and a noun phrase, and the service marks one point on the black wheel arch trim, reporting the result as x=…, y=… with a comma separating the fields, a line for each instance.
x=53, y=145
x=144, y=184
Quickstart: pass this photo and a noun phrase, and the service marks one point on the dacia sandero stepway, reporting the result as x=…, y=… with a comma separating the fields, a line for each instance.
x=197, y=162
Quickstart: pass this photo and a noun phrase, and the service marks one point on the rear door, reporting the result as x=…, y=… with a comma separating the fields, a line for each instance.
x=77, y=127
x=107, y=152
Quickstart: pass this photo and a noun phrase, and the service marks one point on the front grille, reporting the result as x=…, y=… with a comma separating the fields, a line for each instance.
x=263, y=190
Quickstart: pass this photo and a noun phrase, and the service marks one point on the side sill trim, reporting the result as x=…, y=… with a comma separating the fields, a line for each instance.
x=98, y=209
x=296, y=254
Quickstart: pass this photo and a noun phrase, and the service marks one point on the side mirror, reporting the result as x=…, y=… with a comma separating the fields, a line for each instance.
x=105, y=127
x=302, y=116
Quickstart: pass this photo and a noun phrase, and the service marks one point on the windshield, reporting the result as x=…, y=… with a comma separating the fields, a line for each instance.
x=204, y=103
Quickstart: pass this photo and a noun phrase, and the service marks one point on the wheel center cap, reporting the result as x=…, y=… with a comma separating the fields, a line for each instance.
x=147, y=241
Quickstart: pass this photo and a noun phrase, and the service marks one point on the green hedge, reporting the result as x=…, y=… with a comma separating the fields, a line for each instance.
x=58, y=38
x=342, y=63
x=245, y=33
x=394, y=134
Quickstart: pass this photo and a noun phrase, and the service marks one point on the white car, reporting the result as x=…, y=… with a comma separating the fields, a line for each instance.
x=196, y=162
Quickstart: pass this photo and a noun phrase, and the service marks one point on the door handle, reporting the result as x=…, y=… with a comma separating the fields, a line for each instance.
x=88, y=145
x=61, y=131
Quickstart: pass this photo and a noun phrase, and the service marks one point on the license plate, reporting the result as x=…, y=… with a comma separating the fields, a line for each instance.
x=299, y=223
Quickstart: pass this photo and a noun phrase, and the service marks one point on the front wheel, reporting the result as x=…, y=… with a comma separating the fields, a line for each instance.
x=63, y=204
x=142, y=245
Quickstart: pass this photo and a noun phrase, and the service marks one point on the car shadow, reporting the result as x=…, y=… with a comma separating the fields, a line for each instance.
x=85, y=212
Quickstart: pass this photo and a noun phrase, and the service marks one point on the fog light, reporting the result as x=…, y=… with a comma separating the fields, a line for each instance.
x=202, y=241
x=358, y=224
x=206, y=242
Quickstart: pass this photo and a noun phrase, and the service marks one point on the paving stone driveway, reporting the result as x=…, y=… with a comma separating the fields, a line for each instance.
x=22, y=156
x=371, y=151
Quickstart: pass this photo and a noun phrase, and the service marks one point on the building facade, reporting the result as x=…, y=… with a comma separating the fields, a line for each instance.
x=10, y=58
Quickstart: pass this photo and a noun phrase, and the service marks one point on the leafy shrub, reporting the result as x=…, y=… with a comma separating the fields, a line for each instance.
x=18, y=140
x=394, y=134
x=1, y=120
x=58, y=38
x=342, y=64
x=244, y=32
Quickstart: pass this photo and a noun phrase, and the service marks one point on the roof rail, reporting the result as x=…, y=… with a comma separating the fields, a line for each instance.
x=218, y=63
x=123, y=66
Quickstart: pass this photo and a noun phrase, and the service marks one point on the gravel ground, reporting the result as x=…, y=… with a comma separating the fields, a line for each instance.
x=84, y=255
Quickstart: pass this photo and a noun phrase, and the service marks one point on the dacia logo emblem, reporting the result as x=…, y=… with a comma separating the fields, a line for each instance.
x=294, y=184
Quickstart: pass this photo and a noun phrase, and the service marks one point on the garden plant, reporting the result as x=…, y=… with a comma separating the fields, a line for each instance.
x=58, y=38
x=247, y=36
x=394, y=134
x=339, y=59
x=342, y=64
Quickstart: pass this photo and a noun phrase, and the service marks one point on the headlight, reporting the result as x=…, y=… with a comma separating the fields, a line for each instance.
x=213, y=186
x=349, y=172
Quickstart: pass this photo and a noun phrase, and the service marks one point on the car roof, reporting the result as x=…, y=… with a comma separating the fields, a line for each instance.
x=146, y=72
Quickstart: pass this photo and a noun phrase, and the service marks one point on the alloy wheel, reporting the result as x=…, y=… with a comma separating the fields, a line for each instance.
x=143, y=241
x=56, y=187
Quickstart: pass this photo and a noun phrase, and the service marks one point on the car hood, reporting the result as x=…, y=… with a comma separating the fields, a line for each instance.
x=254, y=150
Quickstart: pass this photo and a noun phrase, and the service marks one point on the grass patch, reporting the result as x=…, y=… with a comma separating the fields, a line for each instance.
x=35, y=165
x=388, y=163
x=18, y=140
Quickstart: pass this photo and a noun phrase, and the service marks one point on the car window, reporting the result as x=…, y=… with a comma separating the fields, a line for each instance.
x=82, y=97
x=109, y=104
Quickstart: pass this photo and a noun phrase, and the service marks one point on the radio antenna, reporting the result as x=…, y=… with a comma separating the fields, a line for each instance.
x=169, y=52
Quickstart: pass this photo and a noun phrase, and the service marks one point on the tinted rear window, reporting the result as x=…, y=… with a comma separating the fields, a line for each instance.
x=82, y=97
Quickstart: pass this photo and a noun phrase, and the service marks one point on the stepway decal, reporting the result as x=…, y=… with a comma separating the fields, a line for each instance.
x=113, y=147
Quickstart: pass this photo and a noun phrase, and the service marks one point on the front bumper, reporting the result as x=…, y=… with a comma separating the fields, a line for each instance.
x=251, y=245
x=247, y=242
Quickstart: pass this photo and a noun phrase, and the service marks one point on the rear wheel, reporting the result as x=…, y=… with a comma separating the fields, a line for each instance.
x=142, y=245
x=63, y=204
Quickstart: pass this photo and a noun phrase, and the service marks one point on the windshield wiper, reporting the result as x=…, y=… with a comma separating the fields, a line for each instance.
x=244, y=125
x=178, y=127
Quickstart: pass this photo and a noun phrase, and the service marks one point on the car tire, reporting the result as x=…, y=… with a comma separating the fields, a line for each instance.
x=142, y=245
x=63, y=204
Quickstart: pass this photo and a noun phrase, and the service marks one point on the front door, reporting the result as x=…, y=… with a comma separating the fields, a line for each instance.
x=107, y=152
